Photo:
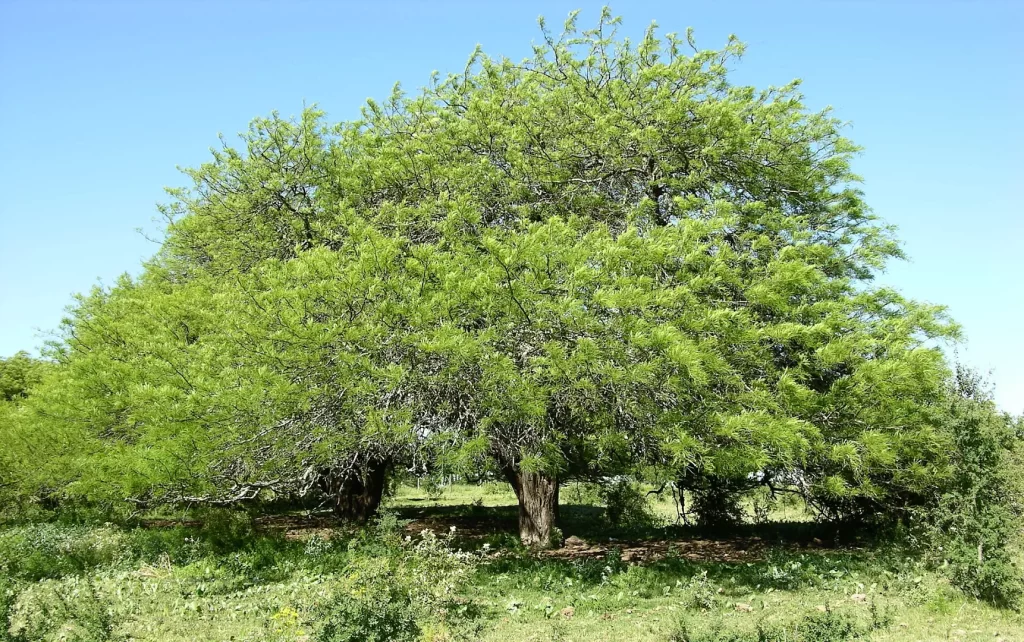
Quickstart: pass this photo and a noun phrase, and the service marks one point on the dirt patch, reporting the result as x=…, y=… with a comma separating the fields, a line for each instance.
x=470, y=529
x=170, y=523
x=702, y=550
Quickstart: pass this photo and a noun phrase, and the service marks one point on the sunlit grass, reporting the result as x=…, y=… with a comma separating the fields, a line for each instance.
x=178, y=584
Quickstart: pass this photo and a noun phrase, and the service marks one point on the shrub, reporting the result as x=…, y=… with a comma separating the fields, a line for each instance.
x=8, y=593
x=374, y=605
x=40, y=551
x=716, y=504
x=825, y=626
x=69, y=610
x=976, y=520
x=699, y=593
x=177, y=544
x=585, y=493
x=762, y=504
x=625, y=504
x=828, y=626
x=225, y=529
x=402, y=595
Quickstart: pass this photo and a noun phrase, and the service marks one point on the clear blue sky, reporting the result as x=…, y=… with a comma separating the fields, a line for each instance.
x=100, y=101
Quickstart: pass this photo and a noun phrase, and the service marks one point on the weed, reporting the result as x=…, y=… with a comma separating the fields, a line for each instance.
x=699, y=593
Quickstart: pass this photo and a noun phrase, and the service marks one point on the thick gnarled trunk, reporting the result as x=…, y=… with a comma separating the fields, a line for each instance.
x=538, y=506
x=356, y=495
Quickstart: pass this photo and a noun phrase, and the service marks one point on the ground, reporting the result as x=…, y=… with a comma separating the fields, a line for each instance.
x=173, y=578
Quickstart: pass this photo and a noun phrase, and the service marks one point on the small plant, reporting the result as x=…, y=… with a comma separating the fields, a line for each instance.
x=557, y=537
x=828, y=626
x=700, y=593
x=613, y=564
x=880, y=618
x=317, y=547
x=287, y=623
x=387, y=528
x=762, y=504
x=434, y=487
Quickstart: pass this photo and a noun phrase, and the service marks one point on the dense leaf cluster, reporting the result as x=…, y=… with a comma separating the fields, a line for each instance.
x=601, y=259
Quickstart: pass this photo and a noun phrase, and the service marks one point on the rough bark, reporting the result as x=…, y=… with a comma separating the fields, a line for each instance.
x=356, y=495
x=538, y=506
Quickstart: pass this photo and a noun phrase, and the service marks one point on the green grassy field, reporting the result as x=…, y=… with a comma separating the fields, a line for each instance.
x=785, y=580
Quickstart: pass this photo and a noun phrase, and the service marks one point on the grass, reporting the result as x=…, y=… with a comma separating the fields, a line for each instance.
x=225, y=581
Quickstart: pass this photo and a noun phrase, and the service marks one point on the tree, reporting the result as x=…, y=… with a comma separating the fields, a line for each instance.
x=213, y=392
x=737, y=336
x=18, y=374
x=604, y=256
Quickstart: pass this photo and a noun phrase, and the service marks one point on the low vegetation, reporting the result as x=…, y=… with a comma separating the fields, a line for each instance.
x=447, y=567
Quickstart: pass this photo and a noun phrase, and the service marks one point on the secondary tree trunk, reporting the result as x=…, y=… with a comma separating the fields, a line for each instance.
x=538, y=506
x=356, y=496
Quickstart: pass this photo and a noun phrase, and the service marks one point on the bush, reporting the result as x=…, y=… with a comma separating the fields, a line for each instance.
x=625, y=504
x=716, y=504
x=828, y=626
x=762, y=504
x=976, y=520
x=8, y=593
x=69, y=610
x=225, y=529
x=824, y=626
x=403, y=595
x=176, y=544
x=584, y=493
x=374, y=605
x=41, y=551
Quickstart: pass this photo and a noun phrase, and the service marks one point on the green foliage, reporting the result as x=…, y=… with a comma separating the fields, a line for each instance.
x=716, y=502
x=8, y=593
x=604, y=258
x=63, y=610
x=51, y=550
x=401, y=596
x=19, y=374
x=586, y=493
x=700, y=593
x=225, y=529
x=762, y=503
x=827, y=625
x=166, y=582
x=625, y=503
x=375, y=606
x=977, y=520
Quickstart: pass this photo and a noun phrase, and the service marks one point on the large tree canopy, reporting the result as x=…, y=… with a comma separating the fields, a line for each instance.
x=602, y=257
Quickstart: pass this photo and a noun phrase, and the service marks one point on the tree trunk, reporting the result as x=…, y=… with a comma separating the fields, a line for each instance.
x=356, y=496
x=538, y=506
